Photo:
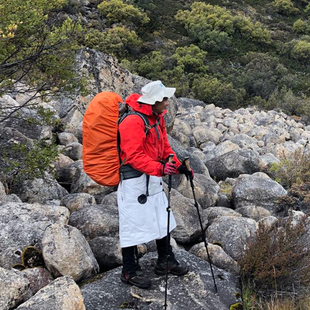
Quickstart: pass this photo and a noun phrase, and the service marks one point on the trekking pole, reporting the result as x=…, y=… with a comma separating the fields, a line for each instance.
x=186, y=161
x=170, y=159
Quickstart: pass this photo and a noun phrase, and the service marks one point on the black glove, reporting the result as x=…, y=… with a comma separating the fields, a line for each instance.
x=183, y=170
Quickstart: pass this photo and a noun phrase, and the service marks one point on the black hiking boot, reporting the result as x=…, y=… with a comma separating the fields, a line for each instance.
x=136, y=280
x=173, y=267
x=138, y=270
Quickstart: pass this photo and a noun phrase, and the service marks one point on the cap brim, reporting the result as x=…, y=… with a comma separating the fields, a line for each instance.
x=168, y=92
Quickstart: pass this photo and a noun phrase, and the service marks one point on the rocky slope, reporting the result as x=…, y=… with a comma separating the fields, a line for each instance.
x=73, y=222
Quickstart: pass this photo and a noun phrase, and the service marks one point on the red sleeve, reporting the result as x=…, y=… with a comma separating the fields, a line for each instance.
x=132, y=140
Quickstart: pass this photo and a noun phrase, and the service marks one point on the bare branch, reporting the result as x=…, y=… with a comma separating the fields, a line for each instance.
x=16, y=109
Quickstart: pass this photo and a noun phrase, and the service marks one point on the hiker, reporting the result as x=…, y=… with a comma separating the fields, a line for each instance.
x=142, y=202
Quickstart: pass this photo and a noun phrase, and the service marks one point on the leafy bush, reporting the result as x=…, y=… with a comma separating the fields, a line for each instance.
x=36, y=46
x=297, y=198
x=262, y=74
x=300, y=26
x=301, y=51
x=118, y=41
x=215, y=27
x=289, y=103
x=277, y=259
x=190, y=58
x=150, y=65
x=116, y=11
x=27, y=163
x=285, y=7
x=293, y=169
x=212, y=90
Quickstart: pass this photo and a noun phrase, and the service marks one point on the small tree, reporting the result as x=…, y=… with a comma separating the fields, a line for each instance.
x=301, y=51
x=277, y=259
x=285, y=7
x=116, y=11
x=300, y=26
x=212, y=90
x=36, y=48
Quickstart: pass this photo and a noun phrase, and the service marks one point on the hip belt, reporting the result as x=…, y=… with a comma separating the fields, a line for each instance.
x=127, y=172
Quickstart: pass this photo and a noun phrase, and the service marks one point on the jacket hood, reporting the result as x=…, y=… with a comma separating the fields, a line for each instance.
x=144, y=108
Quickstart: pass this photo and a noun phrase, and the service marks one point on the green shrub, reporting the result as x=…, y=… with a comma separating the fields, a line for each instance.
x=277, y=259
x=298, y=197
x=120, y=41
x=36, y=46
x=301, y=51
x=190, y=58
x=300, y=26
x=293, y=169
x=116, y=11
x=216, y=28
x=262, y=74
x=150, y=65
x=211, y=90
x=27, y=163
x=285, y=7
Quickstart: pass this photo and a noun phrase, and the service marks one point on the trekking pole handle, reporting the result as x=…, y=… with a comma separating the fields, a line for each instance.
x=187, y=165
x=170, y=159
x=186, y=161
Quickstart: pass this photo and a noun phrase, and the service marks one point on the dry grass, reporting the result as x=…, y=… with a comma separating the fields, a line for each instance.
x=288, y=304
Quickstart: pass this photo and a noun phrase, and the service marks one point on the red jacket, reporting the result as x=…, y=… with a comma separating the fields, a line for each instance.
x=144, y=152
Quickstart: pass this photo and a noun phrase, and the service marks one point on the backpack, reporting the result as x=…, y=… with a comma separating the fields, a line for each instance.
x=101, y=160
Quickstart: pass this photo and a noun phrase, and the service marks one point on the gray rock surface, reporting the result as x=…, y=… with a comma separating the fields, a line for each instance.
x=66, y=138
x=206, y=190
x=28, y=122
x=38, y=277
x=75, y=202
x=258, y=191
x=107, y=251
x=13, y=288
x=2, y=194
x=187, y=103
x=62, y=294
x=217, y=255
x=253, y=212
x=95, y=221
x=22, y=225
x=232, y=233
x=67, y=174
x=193, y=291
x=73, y=150
x=41, y=190
x=213, y=213
x=233, y=164
x=82, y=183
x=188, y=228
x=67, y=253
x=195, y=162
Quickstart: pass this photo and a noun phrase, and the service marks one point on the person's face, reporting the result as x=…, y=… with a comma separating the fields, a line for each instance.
x=160, y=106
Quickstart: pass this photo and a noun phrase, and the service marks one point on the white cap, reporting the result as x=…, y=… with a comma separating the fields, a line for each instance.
x=155, y=91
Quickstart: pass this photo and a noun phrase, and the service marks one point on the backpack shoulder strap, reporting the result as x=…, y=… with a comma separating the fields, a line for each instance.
x=146, y=129
x=143, y=116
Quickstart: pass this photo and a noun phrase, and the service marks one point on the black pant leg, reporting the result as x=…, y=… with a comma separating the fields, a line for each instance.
x=129, y=262
x=162, y=250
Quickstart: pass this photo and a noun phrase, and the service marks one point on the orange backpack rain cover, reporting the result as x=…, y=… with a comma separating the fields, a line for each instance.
x=100, y=127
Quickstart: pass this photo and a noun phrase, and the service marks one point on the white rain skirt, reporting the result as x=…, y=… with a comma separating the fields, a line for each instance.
x=141, y=223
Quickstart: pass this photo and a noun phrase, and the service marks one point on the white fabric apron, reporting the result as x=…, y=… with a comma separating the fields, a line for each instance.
x=141, y=223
